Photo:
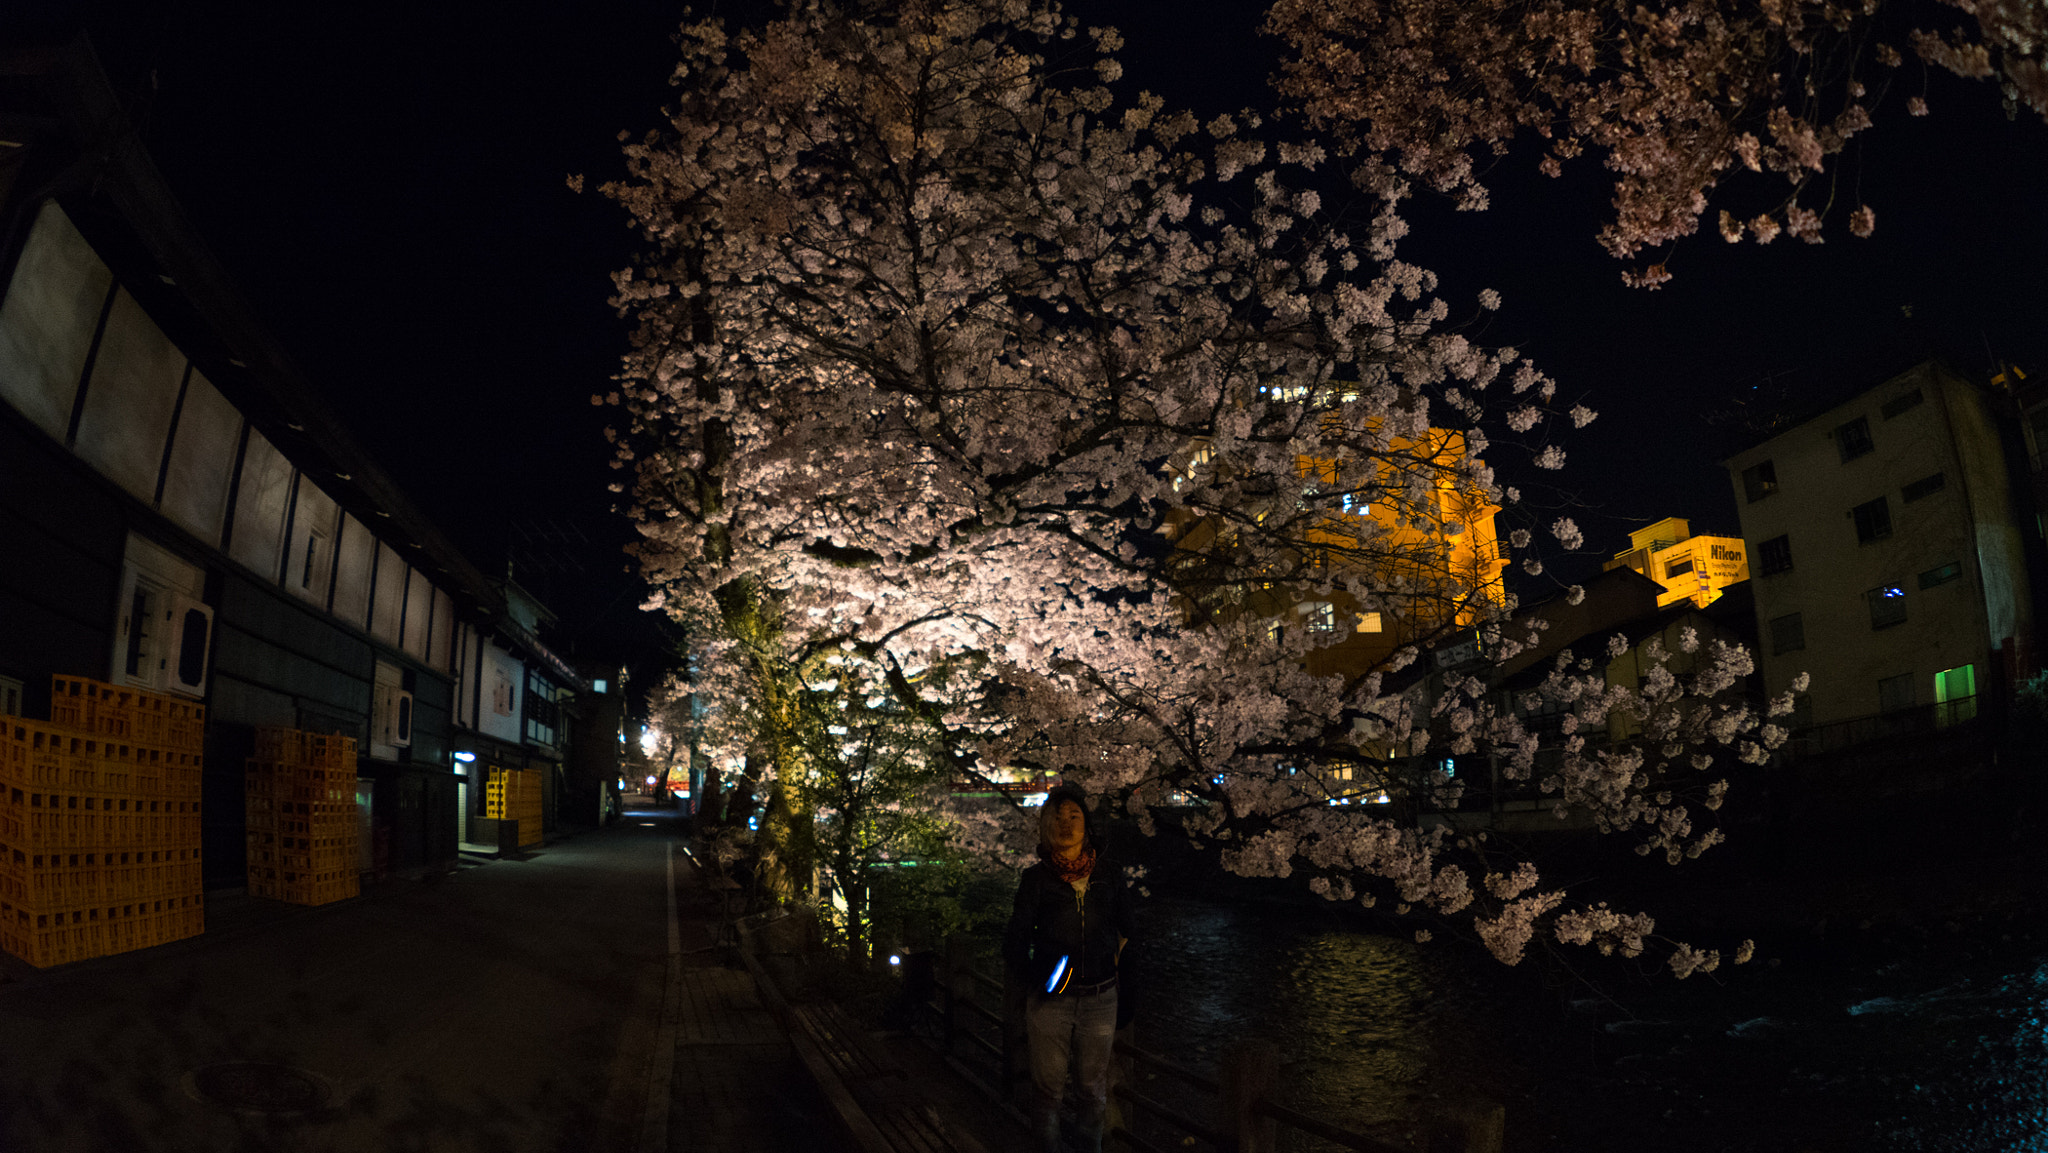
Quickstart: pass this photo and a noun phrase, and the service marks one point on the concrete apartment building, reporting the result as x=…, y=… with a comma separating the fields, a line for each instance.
x=1887, y=557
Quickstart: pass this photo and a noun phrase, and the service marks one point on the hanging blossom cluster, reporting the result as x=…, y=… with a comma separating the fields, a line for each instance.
x=1674, y=98
x=942, y=359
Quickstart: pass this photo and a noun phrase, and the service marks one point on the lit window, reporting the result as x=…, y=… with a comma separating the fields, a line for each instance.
x=1955, y=695
x=1322, y=617
x=1370, y=623
x=1887, y=605
x=1201, y=454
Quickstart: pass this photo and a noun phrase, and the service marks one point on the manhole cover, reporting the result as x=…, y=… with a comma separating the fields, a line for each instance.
x=258, y=1087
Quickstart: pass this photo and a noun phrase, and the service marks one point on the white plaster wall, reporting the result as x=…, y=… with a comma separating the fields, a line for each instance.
x=316, y=515
x=352, y=577
x=466, y=642
x=419, y=607
x=387, y=607
x=128, y=403
x=260, y=506
x=202, y=461
x=503, y=683
x=47, y=320
x=441, y=652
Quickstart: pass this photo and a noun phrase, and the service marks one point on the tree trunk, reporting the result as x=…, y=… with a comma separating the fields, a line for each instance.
x=709, y=800
x=853, y=886
x=789, y=843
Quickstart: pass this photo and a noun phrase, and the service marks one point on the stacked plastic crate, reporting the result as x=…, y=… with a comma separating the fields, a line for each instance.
x=99, y=823
x=514, y=794
x=301, y=803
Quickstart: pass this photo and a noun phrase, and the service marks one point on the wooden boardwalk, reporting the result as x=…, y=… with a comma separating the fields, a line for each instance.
x=736, y=1085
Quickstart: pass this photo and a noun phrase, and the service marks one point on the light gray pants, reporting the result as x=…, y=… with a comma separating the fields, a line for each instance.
x=1070, y=1038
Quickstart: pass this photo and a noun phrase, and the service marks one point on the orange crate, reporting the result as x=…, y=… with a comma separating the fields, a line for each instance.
x=74, y=702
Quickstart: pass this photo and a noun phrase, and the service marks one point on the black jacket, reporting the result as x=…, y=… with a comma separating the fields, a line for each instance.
x=1051, y=921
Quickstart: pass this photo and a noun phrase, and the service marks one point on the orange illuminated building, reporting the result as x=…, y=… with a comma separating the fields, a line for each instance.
x=1694, y=568
x=1367, y=560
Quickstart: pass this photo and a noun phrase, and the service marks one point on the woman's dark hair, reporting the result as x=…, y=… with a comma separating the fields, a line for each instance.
x=1053, y=799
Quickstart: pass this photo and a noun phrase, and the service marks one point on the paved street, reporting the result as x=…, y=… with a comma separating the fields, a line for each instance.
x=512, y=1005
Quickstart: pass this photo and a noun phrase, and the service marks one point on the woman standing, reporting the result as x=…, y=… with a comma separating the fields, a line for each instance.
x=1071, y=922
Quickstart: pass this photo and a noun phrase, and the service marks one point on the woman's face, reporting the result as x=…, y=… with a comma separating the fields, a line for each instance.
x=1067, y=828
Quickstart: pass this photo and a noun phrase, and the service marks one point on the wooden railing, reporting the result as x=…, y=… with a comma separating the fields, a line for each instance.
x=1244, y=1117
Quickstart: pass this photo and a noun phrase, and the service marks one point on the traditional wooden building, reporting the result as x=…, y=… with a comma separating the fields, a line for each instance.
x=181, y=511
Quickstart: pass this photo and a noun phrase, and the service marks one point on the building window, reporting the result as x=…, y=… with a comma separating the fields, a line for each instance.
x=1678, y=568
x=1925, y=486
x=1370, y=623
x=1777, y=555
x=1322, y=617
x=1759, y=481
x=1895, y=694
x=1873, y=520
x=1955, y=695
x=1940, y=576
x=10, y=697
x=1202, y=454
x=543, y=711
x=1853, y=439
x=1887, y=605
x=1904, y=402
x=1788, y=633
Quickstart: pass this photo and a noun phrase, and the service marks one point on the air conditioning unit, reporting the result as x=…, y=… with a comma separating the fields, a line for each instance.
x=394, y=717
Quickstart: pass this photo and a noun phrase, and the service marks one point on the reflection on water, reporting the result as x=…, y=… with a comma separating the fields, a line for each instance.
x=1370, y=1028
x=1941, y=1051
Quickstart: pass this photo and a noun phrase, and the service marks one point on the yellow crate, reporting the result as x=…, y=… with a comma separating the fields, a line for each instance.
x=299, y=794
x=74, y=702
x=36, y=755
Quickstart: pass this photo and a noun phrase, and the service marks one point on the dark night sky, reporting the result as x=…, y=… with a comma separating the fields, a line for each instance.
x=387, y=183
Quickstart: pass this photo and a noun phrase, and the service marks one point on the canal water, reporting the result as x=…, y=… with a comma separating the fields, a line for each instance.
x=1937, y=1046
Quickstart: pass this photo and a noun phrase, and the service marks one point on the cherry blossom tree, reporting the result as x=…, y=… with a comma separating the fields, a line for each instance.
x=943, y=359
x=1674, y=98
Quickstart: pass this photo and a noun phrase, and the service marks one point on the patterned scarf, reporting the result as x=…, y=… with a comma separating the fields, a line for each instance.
x=1073, y=868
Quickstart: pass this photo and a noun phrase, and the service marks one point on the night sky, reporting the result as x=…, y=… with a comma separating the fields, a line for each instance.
x=387, y=185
